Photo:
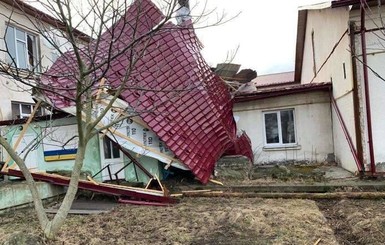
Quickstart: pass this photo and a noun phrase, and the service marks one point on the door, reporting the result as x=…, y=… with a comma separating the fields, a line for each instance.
x=27, y=146
x=113, y=157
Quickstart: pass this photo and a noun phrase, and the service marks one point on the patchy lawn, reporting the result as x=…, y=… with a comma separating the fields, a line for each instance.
x=193, y=221
x=356, y=221
x=215, y=221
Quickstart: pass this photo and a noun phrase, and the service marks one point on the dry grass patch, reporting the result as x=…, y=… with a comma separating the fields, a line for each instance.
x=197, y=221
x=356, y=221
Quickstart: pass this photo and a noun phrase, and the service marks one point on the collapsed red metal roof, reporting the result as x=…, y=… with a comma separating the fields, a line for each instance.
x=170, y=86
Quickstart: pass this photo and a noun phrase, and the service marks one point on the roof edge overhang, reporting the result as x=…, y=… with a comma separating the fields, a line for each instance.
x=36, y=13
x=19, y=121
x=354, y=3
x=272, y=85
x=301, y=31
x=282, y=92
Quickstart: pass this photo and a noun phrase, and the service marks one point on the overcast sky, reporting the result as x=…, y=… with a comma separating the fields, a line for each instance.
x=264, y=34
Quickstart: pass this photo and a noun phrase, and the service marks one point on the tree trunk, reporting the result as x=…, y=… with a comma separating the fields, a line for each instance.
x=51, y=230
x=41, y=215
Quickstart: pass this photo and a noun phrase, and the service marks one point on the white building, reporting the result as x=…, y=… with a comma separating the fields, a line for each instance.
x=334, y=40
x=23, y=46
x=280, y=116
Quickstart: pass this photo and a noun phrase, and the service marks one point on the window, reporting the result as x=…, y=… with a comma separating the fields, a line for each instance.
x=110, y=150
x=22, y=48
x=22, y=110
x=279, y=128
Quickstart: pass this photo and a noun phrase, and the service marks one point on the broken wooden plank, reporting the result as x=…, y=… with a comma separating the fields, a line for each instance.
x=92, y=180
x=332, y=195
x=318, y=241
x=142, y=202
x=196, y=191
x=78, y=211
x=216, y=182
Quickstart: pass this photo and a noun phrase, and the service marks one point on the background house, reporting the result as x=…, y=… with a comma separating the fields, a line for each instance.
x=287, y=121
x=342, y=42
x=28, y=50
x=22, y=45
x=334, y=97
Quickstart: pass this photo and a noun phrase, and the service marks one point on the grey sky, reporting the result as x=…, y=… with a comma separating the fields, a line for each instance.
x=264, y=34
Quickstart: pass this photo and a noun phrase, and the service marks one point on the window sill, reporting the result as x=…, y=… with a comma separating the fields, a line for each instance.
x=281, y=147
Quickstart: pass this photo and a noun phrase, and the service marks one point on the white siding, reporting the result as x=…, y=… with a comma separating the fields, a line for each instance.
x=375, y=46
x=329, y=25
x=313, y=124
x=9, y=89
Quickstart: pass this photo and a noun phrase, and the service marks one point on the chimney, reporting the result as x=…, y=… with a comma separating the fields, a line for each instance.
x=183, y=12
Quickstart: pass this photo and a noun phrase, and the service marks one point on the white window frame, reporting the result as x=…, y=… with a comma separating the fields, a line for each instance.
x=21, y=114
x=280, y=143
x=112, y=148
x=35, y=47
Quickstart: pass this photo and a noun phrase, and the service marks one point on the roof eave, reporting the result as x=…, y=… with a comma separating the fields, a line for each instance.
x=32, y=11
x=281, y=92
x=354, y=3
x=301, y=31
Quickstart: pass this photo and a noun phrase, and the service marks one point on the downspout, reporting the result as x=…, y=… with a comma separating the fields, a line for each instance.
x=356, y=100
x=367, y=95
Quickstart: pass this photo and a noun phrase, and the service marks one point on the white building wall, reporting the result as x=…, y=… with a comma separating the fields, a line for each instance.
x=375, y=46
x=329, y=28
x=9, y=89
x=312, y=125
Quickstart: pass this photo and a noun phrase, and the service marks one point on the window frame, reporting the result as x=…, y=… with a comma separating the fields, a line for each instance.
x=21, y=114
x=280, y=144
x=110, y=151
x=35, y=47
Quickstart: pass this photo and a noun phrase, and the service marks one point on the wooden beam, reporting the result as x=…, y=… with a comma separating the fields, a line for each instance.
x=313, y=196
x=216, y=182
x=92, y=180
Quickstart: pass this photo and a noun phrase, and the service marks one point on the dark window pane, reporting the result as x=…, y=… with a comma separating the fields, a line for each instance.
x=26, y=109
x=15, y=110
x=271, y=127
x=287, y=126
x=115, y=151
x=31, y=50
x=107, y=148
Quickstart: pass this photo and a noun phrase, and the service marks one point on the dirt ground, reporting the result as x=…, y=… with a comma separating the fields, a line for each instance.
x=214, y=221
x=217, y=220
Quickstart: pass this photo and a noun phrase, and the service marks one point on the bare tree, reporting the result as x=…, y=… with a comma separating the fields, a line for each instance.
x=119, y=36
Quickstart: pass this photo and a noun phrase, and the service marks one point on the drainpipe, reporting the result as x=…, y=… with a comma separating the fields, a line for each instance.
x=367, y=98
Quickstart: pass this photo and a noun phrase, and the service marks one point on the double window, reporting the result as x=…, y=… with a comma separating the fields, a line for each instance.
x=22, y=48
x=23, y=110
x=279, y=128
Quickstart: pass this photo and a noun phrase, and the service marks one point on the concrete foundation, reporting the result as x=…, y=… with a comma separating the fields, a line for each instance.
x=17, y=194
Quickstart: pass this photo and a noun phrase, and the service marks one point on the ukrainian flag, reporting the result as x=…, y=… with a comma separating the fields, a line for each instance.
x=58, y=155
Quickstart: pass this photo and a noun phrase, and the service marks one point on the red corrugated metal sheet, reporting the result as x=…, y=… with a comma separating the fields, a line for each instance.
x=170, y=85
